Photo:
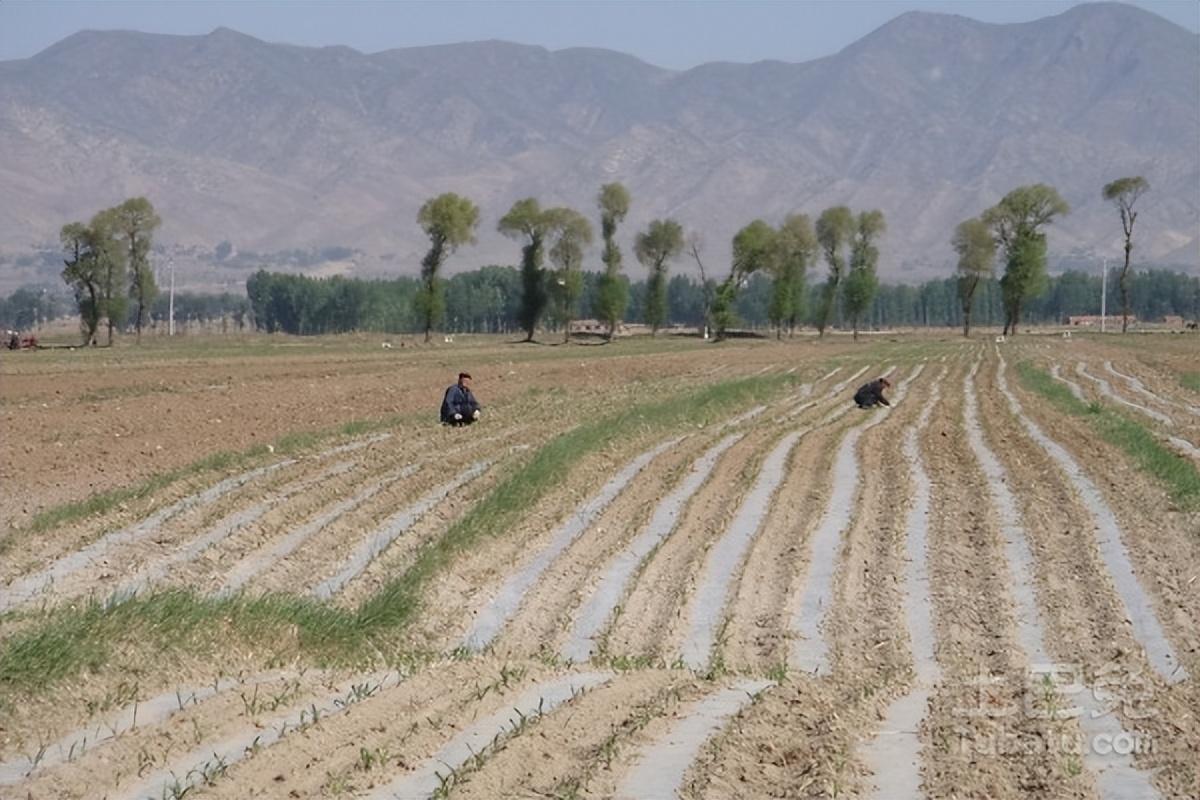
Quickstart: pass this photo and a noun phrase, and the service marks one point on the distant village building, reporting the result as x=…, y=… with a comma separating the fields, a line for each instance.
x=596, y=327
x=1094, y=320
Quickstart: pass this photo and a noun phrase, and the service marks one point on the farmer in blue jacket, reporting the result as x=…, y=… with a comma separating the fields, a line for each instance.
x=459, y=406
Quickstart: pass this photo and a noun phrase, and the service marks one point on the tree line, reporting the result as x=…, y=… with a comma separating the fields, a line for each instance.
x=846, y=241
x=553, y=291
x=485, y=301
x=107, y=267
x=488, y=300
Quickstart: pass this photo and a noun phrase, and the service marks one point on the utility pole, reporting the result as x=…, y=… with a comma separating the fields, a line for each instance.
x=171, y=301
x=1104, y=295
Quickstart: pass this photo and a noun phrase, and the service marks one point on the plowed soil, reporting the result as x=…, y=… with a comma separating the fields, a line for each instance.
x=359, y=483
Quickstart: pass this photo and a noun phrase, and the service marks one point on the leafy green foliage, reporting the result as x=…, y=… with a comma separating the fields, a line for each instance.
x=835, y=227
x=135, y=222
x=96, y=272
x=1017, y=222
x=862, y=282
x=976, y=250
x=795, y=245
x=526, y=221
x=573, y=232
x=488, y=299
x=450, y=222
x=661, y=242
x=613, y=295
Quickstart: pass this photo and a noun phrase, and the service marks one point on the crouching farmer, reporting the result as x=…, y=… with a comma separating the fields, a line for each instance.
x=459, y=406
x=870, y=394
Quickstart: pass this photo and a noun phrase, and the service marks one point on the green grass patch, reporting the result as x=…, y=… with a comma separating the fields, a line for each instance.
x=1055, y=391
x=1190, y=380
x=1176, y=473
x=65, y=641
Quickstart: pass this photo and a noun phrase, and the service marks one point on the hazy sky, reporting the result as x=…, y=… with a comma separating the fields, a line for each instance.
x=669, y=33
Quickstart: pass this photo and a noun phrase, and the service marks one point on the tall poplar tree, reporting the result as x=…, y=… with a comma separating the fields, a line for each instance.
x=661, y=242
x=449, y=221
x=135, y=221
x=976, y=250
x=862, y=281
x=1123, y=193
x=613, y=296
x=835, y=226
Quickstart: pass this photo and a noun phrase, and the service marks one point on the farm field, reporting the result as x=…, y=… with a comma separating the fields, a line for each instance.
x=658, y=568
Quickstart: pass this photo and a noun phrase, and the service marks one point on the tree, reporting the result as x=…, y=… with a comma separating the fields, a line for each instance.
x=573, y=232
x=1017, y=221
x=449, y=221
x=614, y=292
x=723, y=315
x=795, y=244
x=135, y=222
x=82, y=273
x=862, y=281
x=976, y=250
x=111, y=268
x=661, y=242
x=1123, y=193
x=708, y=288
x=1024, y=277
x=754, y=250
x=525, y=221
x=835, y=227
x=529, y=222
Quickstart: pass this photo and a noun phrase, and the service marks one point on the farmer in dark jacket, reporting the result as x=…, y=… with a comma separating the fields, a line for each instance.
x=871, y=394
x=459, y=406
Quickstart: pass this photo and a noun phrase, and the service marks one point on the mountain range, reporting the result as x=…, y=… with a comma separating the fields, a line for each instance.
x=317, y=159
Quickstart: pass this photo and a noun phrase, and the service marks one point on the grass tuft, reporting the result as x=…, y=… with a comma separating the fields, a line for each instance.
x=1190, y=380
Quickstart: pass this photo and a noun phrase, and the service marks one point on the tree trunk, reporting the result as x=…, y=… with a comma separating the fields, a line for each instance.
x=1124, y=282
x=967, y=324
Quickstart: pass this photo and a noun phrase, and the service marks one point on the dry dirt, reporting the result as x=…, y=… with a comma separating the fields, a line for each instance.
x=518, y=720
